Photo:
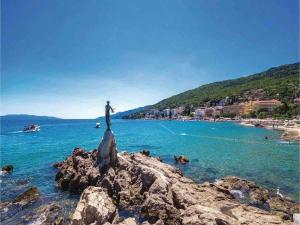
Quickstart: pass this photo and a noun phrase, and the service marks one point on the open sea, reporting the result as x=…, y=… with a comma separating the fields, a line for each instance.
x=215, y=150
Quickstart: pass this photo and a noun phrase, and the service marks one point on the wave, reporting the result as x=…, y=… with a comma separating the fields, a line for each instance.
x=237, y=194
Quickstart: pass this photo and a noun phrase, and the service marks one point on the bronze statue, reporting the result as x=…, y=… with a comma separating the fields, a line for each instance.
x=108, y=108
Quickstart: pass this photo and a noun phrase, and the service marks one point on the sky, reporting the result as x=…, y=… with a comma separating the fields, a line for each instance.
x=65, y=58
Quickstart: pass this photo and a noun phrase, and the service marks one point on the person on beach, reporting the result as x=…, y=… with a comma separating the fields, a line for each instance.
x=108, y=108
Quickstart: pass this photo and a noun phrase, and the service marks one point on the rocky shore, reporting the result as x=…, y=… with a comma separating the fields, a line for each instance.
x=139, y=189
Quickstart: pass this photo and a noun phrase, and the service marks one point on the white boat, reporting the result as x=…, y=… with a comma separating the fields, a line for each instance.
x=31, y=128
x=98, y=125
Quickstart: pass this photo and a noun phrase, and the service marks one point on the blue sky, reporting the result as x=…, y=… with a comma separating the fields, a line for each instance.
x=66, y=58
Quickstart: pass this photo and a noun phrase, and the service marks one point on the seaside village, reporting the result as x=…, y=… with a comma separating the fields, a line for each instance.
x=222, y=110
x=257, y=110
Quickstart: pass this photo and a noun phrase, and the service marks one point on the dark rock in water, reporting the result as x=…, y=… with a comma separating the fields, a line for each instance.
x=258, y=125
x=57, y=164
x=159, y=192
x=22, y=182
x=9, y=208
x=7, y=168
x=181, y=159
x=159, y=159
x=31, y=195
x=145, y=152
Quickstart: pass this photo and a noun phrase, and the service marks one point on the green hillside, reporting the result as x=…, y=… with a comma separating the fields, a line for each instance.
x=280, y=83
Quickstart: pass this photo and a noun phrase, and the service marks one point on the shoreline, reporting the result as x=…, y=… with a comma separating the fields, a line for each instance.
x=290, y=129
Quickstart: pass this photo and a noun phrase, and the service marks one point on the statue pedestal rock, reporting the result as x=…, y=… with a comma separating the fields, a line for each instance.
x=107, y=151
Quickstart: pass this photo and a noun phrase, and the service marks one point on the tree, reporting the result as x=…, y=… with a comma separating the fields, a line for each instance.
x=262, y=115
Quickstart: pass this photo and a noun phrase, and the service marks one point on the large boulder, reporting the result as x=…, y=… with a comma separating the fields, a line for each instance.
x=7, y=169
x=94, y=206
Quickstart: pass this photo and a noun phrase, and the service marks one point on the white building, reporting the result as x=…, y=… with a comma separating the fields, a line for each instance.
x=200, y=112
x=174, y=112
x=166, y=112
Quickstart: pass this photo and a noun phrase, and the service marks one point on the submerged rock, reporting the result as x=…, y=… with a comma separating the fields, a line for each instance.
x=10, y=208
x=145, y=152
x=181, y=159
x=7, y=169
x=32, y=194
x=160, y=194
x=49, y=214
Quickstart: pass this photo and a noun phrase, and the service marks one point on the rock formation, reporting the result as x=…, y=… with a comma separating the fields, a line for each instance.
x=107, y=151
x=78, y=171
x=160, y=194
x=145, y=152
x=259, y=196
x=7, y=169
x=181, y=159
x=8, y=208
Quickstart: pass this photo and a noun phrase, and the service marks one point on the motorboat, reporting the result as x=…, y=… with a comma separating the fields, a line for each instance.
x=98, y=125
x=31, y=128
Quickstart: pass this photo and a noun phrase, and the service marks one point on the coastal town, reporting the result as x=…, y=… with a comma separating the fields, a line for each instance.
x=256, y=111
x=216, y=110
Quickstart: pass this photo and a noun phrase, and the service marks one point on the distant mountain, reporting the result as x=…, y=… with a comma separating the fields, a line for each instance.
x=120, y=115
x=27, y=117
x=280, y=83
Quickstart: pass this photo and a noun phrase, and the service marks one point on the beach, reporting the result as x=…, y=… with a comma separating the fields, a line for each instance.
x=290, y=128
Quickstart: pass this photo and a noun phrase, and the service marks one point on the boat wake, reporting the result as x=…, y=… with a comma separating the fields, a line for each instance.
x=15, y=132
x=163, y=126
x=237, y=140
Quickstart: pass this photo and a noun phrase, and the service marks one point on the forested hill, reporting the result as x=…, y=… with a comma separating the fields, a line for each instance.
x=280, y=83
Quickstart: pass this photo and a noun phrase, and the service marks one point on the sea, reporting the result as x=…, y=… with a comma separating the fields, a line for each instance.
x=215, y=150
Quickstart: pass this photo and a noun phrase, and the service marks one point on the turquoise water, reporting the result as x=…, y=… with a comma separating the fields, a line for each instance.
x=214, y=149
